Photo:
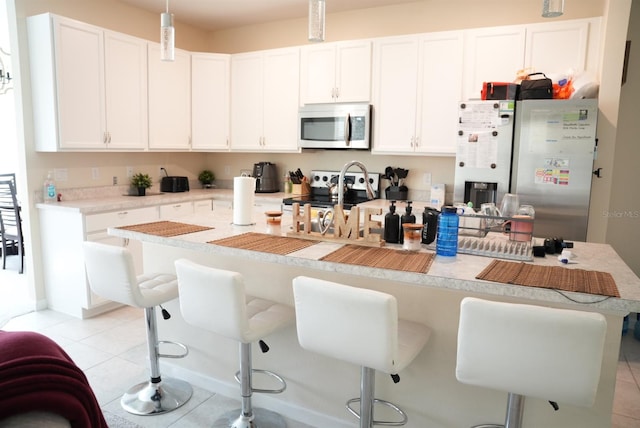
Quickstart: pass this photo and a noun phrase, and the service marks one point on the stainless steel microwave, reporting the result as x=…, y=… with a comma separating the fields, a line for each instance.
x=335, y=126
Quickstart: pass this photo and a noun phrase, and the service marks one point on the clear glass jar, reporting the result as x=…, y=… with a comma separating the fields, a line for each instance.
x=274, y=220
x=412, y=236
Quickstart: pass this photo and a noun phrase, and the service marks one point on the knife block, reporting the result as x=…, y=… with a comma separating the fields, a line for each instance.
x=302, y=189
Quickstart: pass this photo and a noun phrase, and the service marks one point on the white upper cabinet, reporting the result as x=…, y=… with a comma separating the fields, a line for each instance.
x=88, y=86
x=417, y=84
x=336, y=72
x=126, y=91
x=264, y=100
x=210, y=86
x=492, y=55
x=560, y=47
x=169, y=100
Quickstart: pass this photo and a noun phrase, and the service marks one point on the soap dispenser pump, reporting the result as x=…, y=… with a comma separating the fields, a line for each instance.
x=391, y=224
x=407, y=217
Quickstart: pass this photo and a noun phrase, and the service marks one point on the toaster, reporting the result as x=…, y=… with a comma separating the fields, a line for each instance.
x=173, y=184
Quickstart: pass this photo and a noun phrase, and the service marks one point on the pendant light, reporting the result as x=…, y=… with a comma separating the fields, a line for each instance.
x=552, y=8
x=316, y=20
x=167, y=36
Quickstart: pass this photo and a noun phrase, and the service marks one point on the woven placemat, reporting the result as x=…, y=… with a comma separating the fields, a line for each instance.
x=555, y=277
x=382, y=258
x=165, y=228
x=264, y=243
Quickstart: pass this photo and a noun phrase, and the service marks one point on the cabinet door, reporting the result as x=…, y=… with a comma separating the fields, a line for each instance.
x=126, y=91
x=353, y=72
x=79, y=57
x=281, y=81
x=175, y=211
x=492, y=54
x=439, y=92
x=246, y=101
x=169, y=100
x=557, y=47
x=210, y=101
x=395, y=88
x=318, y=65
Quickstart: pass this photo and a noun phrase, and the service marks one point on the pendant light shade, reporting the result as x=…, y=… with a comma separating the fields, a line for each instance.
x=316, y=20
x=552, y=8
x=167, y=36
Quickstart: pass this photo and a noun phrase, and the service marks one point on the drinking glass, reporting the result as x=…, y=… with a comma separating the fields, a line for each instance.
x=510, y=204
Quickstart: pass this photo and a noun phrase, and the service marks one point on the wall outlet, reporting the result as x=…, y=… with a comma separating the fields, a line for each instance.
x=115, y=180
x=227, y=170
x=129, y=171
x=95, y=173
x=426, y=179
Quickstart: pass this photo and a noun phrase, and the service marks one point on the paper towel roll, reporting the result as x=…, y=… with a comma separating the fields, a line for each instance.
x=243, y=195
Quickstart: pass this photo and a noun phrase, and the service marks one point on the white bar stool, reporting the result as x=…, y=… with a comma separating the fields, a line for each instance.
x=525, y=350
x=111, y=273
x=359, y=326
x=215, y=300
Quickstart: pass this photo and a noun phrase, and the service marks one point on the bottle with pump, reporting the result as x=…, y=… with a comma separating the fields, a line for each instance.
x=391, y=225
x=49, y=189
x=407, y=217
x=447, y=240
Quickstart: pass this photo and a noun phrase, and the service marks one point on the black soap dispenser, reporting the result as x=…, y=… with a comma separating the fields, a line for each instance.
x=391, y=224
x=407, y=217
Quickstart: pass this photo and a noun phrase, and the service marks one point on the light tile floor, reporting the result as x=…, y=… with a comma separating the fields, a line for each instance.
x=111, y=349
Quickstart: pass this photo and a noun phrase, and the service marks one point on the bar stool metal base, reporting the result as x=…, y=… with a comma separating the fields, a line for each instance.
x=150, y=398
x=513, y=418
x=261, y=418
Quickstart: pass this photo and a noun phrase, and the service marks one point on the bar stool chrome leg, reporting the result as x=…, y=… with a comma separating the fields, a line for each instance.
x=248, y=416
x=158, y=395
x=513, y=418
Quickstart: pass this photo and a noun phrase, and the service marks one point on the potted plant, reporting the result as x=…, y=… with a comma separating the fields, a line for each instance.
x=206, y=178
x=141, y=182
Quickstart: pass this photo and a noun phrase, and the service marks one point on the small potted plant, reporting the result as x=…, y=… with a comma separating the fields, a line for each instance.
x=141, y=182
x=206, y=178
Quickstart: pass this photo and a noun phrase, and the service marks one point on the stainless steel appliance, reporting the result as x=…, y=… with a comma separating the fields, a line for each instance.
x=334, y=126
x=266, y=175
x=323, y=182
x=543, y=150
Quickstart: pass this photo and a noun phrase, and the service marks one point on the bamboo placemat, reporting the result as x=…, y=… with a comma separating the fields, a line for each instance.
x=382, y=258
x=165, y=228
x=264, y=243
x=555, y=277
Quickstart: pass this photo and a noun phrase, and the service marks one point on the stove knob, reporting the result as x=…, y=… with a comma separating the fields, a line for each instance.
x=316, y=178
x=361, y=180
x=325, y=178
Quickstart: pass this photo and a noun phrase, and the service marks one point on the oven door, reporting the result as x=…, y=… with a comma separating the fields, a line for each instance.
x=334, y=126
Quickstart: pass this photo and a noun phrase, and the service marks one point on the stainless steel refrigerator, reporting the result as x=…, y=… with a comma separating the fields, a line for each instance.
x=543, y=150
x=554, y=145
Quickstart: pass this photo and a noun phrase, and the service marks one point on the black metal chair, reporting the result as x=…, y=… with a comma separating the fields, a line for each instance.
x=10, y=220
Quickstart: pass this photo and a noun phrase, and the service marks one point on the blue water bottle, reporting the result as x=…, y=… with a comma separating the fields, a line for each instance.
x=447, y=240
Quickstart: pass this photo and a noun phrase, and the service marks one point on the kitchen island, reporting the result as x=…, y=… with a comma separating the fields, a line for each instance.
x=428, y=391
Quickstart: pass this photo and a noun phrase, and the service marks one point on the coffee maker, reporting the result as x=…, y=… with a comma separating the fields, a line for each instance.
x=266, y=175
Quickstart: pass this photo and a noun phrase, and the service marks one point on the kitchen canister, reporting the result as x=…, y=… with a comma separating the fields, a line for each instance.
x=447, y=239
x=244, y=188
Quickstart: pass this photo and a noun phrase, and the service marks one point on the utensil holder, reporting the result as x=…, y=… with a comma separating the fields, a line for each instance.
x=396, y=193
x=302, y=189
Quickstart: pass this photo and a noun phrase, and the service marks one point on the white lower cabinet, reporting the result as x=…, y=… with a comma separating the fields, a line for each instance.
x=62, y=235
x=176, y=211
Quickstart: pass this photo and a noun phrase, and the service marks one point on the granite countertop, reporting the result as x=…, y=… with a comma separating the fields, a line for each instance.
x=121, y=202
x=457, y=273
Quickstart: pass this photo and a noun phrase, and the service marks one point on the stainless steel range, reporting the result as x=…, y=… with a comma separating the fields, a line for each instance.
x=321, y=195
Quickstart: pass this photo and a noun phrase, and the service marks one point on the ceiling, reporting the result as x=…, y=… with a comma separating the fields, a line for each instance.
x=215, y=15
